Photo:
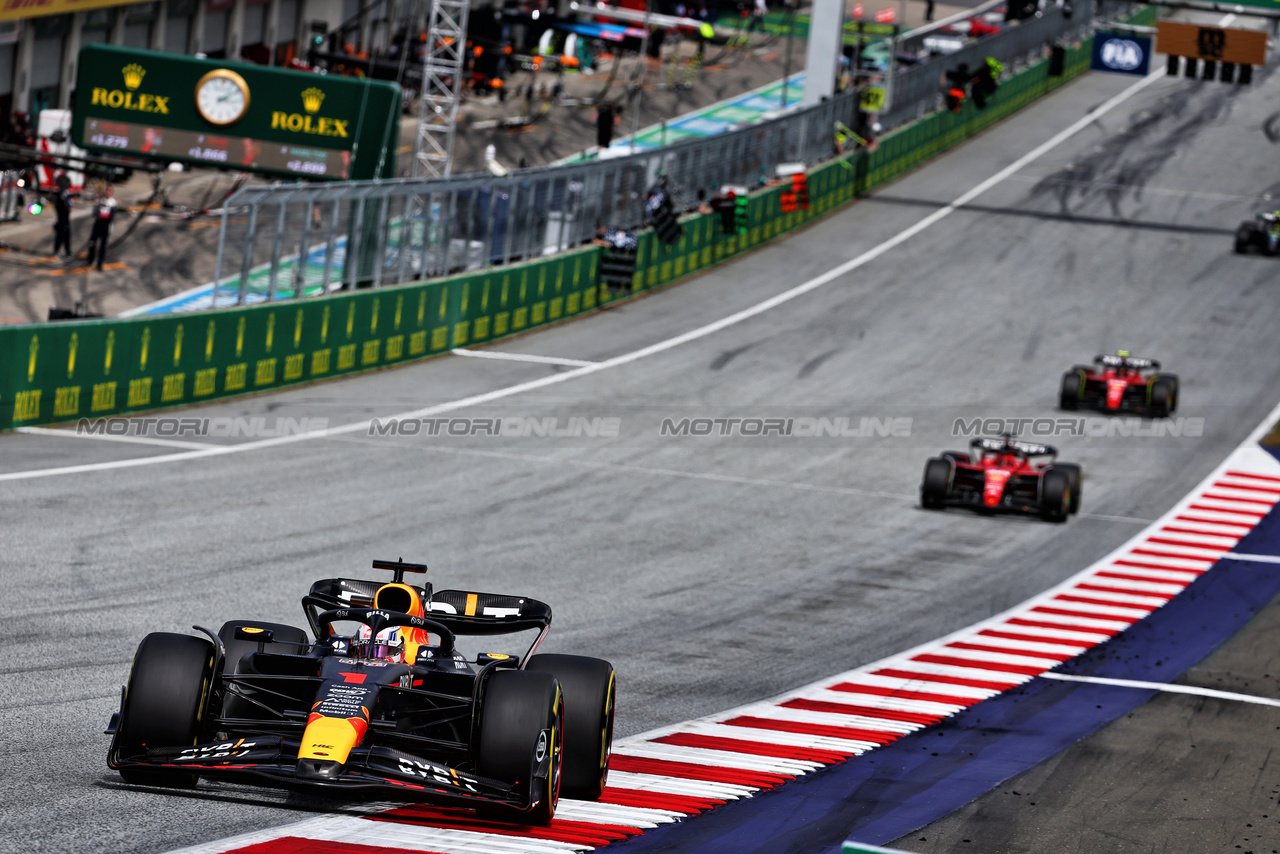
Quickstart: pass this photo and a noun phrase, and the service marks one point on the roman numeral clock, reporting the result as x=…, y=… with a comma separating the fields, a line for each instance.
x=222, y=97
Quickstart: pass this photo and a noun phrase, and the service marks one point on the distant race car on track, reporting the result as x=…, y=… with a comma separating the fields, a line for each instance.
x=1003, y=474
x=1120, y=383
x=1261, y=233
x=391, y=705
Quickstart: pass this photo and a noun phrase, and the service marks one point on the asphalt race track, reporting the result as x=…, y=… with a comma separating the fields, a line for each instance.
x=710, y=570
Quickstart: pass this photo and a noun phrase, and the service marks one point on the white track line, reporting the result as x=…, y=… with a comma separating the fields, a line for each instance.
x=653, y=349
x=522, y=357
x=132, y=440
x=1165, y=687
x=1258, y=558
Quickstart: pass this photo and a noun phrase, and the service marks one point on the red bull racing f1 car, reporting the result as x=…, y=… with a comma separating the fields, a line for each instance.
x=388, y=704
x=1003, y=475
x=1120, y=383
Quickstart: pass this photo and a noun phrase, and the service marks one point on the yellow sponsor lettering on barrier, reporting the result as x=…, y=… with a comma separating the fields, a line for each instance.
x=265, y=372
x=557, y=306
x=104, y=397
x=235, y=378
x=66, y=401
x=369, y=354
x=173, y=386
x=395, y=347
x=573, y=303
x=460, y=332
x=206, y=382
x=293, y=367
x=539, y=312
x=501, y=323
x=481, y=328
x=346, y=357
x=320, y=362
x=140, y=392
x=439, y=338
x=521, y=318
x=589, y=297
x=418, y=343
x=26, y=405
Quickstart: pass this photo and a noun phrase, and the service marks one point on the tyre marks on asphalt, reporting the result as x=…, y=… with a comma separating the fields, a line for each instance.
x=667, y=776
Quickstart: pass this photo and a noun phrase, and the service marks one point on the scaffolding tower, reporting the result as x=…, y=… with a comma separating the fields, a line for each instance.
x=442, y=69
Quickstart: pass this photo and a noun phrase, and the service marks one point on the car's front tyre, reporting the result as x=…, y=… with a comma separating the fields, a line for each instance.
x=522, y=730
x=164, y=705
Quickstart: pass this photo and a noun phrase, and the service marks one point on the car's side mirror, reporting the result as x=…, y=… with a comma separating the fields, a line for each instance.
x=253, y=633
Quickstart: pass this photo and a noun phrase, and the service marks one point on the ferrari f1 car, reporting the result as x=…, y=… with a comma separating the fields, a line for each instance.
x=1262, y=233
x=1120, y=383
x=1003, y=475
x=393, y=707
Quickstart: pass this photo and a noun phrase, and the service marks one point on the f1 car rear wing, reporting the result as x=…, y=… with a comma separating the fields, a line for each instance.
x=1006, y=444
x=1112, y=360
x=461, y=611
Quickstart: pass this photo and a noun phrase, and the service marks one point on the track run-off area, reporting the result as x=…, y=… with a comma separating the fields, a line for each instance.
x=725, y=570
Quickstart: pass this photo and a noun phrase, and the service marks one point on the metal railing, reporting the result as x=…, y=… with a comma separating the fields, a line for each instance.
x=302, y=240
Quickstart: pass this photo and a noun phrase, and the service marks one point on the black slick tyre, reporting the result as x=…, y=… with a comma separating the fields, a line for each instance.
x=164, y=704
x=1164, y=398
x=1244, y=238
x=955, y=456
x=1069, y=391
x=1074, y=478
x=1055, y=495
x=522, y=731
x=589, y=686
x=933, y=488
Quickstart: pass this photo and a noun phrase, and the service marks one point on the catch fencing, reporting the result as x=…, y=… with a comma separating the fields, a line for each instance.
x=307, y=240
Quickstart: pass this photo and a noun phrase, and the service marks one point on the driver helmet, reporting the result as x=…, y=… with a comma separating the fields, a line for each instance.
x=387, y=646
x=405, y=599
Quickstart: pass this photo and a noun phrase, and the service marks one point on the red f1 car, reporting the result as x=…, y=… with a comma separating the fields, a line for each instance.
x=1120, y=383
x=1003, y=474
x=394, y=707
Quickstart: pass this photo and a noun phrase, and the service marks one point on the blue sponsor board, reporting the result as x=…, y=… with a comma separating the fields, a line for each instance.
x=1122, y=53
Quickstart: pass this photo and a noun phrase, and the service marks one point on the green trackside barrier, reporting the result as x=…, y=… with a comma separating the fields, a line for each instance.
x=88, y=369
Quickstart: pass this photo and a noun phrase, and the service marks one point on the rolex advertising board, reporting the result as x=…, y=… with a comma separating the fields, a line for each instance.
x=234, y=115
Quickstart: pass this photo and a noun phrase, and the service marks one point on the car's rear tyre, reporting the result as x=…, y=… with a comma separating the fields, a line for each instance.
x=284, y=639
x=1069, y=391
x=1074, y=478
x=1164, y=397
x=522, y=720
x=164, y=704
x=955, y=456
x=1055, y=495
x=589, y=686
x=1244, y=238
x=933, y=488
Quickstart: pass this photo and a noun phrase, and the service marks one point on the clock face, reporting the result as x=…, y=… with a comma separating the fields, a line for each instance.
x=222, y=97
